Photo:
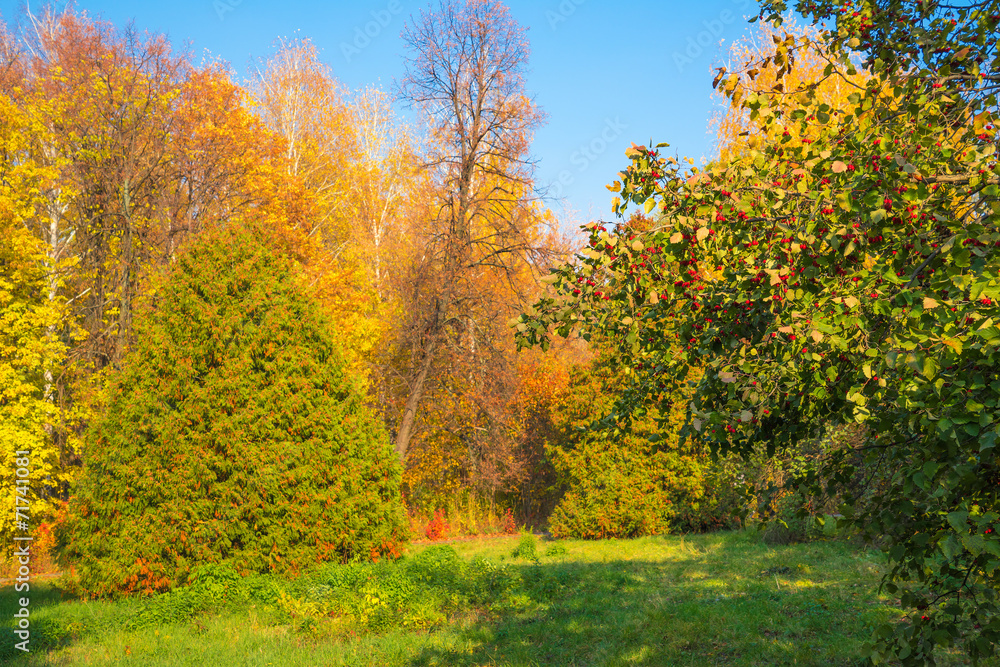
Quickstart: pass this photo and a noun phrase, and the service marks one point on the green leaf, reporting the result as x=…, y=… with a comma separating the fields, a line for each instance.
x=957, y=521
x=930, y=368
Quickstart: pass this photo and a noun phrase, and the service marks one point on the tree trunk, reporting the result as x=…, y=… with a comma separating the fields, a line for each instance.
x=413, y=401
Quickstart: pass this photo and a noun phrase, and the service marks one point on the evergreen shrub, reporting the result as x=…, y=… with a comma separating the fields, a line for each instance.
x=231, y=435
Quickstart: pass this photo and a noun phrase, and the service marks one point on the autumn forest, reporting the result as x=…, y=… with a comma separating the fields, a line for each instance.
x=262, y=327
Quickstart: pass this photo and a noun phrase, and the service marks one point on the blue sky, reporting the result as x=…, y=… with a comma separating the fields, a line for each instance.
x=607, y=73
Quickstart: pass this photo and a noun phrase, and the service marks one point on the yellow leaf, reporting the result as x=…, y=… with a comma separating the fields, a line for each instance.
x=953, y=343
x=930, y=303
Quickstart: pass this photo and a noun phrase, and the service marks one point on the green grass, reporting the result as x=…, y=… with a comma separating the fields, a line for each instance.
x=722, y=599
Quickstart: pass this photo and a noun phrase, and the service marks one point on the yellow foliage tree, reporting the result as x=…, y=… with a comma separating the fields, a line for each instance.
x=795, y=71
x=29, y=353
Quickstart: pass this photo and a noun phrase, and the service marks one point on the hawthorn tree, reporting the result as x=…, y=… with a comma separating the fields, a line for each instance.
x=846, y=271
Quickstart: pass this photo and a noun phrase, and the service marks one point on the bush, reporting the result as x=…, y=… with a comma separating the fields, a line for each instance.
x=231, y=435
x=437, y=528
x=527, y=548
x=625, y=485
x=419, y=591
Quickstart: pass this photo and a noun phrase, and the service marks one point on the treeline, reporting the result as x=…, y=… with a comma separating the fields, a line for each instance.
x=223, y=301
x=123, y=161
x=119, y=153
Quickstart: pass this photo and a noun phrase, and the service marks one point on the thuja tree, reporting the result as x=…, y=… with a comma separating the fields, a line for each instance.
x=623, y=485
x=845, y=269
x=230, y=435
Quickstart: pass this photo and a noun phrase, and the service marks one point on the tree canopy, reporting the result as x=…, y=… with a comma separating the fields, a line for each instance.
x=845, y=271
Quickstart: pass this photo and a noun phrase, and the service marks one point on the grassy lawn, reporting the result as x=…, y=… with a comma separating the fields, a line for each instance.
x=721, y=599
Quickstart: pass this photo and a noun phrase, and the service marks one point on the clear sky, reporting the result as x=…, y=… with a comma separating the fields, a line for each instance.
x=606, y=73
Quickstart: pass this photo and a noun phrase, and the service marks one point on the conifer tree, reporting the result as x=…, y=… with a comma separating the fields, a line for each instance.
x=231, y=434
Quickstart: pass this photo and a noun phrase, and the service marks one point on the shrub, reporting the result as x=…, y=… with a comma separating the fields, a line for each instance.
x=507, y=522
x=437, y=528
x=623, y=485
x=527, y=548
x=556, y=550
x=231, y=435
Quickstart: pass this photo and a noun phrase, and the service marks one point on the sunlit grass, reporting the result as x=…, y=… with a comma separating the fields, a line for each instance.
x=723, y=599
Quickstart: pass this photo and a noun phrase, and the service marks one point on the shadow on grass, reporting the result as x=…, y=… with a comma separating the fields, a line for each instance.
x=726, y=606
x=42, y=596
x=704, y=600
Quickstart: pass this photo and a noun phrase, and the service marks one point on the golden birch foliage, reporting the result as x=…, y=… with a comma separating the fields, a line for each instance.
x=385, y=178
x=300, y=102
x=299, y=99
x=735, y=131
x=27, y=350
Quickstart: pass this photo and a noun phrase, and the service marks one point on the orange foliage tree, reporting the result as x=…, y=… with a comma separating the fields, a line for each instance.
x=465, y=73
x=795, y=71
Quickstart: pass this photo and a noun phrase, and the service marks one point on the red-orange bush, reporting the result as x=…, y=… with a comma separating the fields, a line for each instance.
x=437, y=528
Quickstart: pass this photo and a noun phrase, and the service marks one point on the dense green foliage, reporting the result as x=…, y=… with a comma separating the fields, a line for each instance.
x=624, y=485
x=231, y=435
x=416, y=592
x=845, y=269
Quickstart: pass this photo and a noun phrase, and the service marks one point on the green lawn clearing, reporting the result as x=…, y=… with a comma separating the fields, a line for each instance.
x=719, y=599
